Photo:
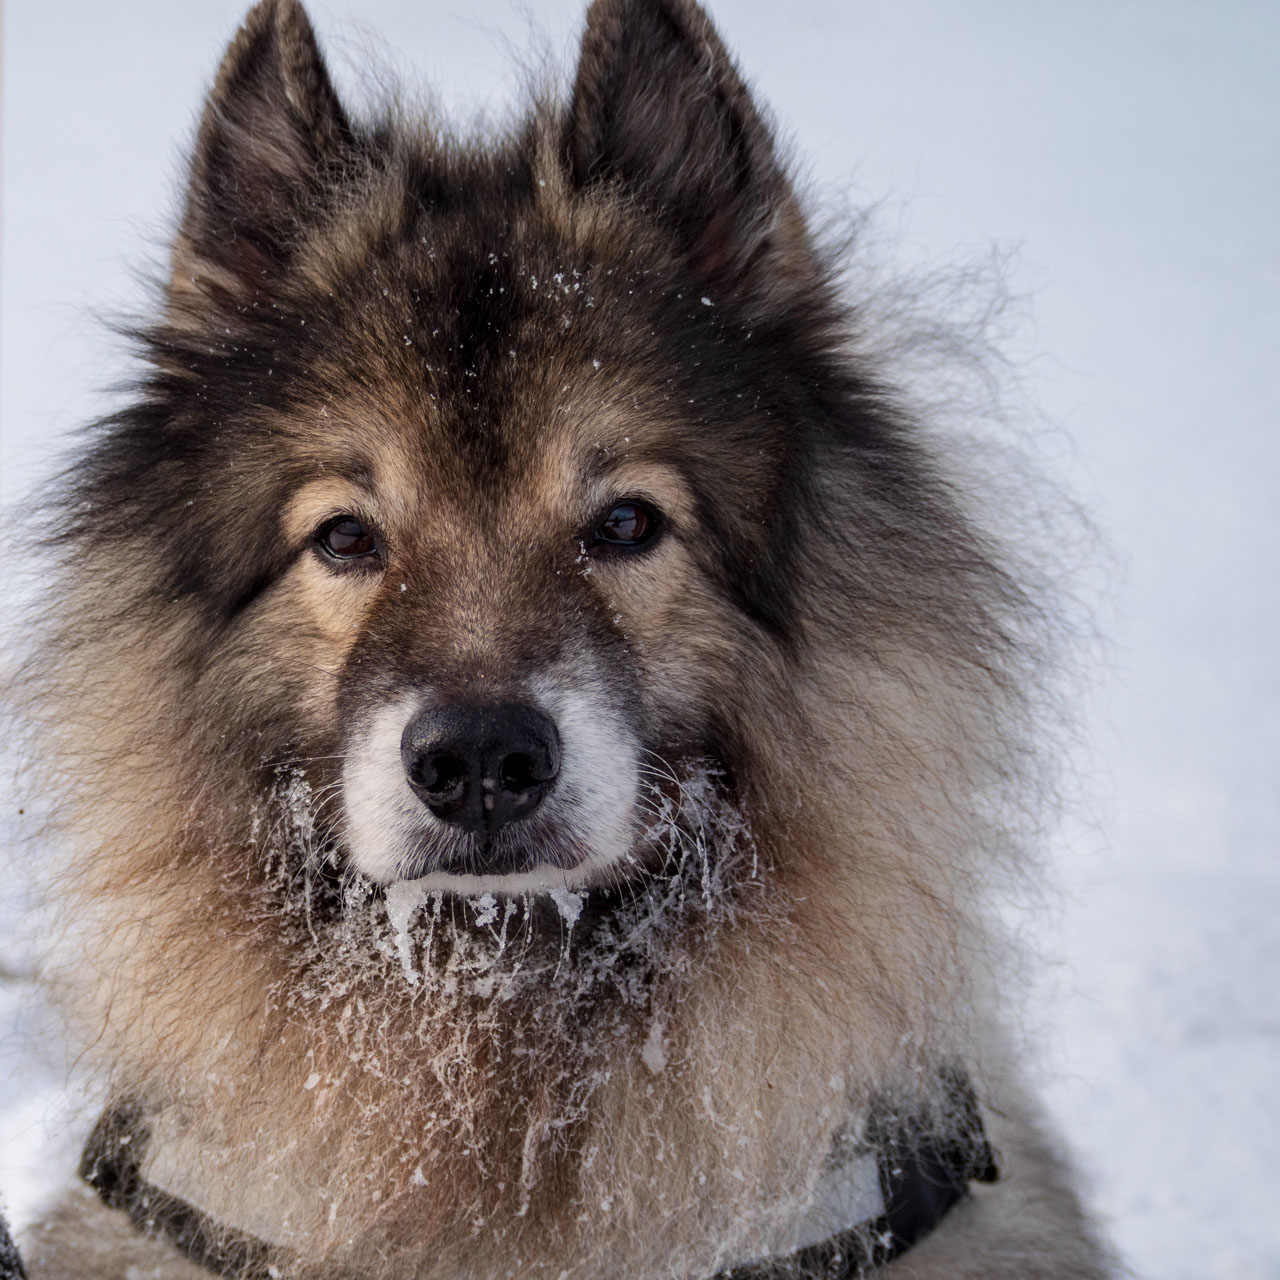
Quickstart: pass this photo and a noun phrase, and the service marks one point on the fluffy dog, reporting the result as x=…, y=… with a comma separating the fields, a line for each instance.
x=537, y=728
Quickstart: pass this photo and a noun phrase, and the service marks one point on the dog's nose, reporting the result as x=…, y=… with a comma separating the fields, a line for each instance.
x=481, y=766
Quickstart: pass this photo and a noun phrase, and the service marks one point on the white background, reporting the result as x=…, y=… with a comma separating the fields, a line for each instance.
x=1129, y=150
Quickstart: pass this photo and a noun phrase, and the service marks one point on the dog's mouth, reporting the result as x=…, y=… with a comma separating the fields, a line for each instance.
x=503, y=858
x=508, y=864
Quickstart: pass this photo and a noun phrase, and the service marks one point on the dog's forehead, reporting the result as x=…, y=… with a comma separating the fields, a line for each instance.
x=466, y=350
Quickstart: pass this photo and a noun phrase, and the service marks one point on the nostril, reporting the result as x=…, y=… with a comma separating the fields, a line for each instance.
x=441, y=776
x=515, y=772
x=518, y=772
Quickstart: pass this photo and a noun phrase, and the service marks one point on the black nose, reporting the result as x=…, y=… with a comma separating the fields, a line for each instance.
x=481, y=766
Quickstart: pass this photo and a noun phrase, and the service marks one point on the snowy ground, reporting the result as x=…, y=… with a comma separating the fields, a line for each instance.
x=1129, y=152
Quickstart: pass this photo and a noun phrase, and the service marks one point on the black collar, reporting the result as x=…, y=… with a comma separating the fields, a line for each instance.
x=921, y=1179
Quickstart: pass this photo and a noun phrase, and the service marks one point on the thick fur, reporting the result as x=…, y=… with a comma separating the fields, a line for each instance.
x=827, y=670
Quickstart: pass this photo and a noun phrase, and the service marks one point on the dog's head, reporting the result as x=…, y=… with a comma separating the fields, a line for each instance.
x=482, y=483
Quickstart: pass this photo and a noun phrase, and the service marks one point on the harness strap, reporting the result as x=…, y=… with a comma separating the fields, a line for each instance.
x=921, y=1179
x=112, y=1165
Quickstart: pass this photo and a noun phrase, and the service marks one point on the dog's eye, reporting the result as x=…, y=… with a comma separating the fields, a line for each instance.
x=346, y=538
x=628, y=524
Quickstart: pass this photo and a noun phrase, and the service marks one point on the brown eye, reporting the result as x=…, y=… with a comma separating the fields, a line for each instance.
x=346, y=538
x=629, y=525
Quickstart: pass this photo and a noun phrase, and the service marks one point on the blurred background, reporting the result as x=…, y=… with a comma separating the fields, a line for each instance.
x=1125, y=156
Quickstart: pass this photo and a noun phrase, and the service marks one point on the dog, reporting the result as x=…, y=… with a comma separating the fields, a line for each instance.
x=536, y=724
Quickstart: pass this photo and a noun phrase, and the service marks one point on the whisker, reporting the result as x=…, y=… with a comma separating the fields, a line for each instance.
x=299, y=760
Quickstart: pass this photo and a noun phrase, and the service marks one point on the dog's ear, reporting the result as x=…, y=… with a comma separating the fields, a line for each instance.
x=272, y=139
x=660, y=110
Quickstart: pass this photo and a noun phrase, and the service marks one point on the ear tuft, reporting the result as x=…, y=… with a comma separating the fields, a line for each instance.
x=660, y=112
x=273, y=130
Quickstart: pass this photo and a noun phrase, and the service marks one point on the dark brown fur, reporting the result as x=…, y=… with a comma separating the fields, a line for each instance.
x=467, y=341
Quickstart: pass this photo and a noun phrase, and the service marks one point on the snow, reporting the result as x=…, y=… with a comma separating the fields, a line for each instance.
x=568, y=903
x=486, y=910
x=652, y=1054
x=1128, y=153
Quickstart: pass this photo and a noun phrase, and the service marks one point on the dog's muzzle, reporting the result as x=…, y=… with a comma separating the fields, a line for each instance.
x=533, y=788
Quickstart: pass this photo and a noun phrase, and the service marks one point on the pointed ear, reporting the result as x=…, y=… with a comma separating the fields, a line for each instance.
x=271, y=140
x=660, y=110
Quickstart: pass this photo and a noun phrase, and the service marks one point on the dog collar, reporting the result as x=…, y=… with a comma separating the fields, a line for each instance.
x=891, y=1193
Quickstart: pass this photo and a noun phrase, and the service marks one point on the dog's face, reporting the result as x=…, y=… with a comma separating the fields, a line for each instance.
x=510, y=594
x=476, y=474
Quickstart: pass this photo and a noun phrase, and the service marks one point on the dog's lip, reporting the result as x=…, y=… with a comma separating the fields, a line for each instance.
x=512, y=860
x=539, y=881
x=514, y=870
